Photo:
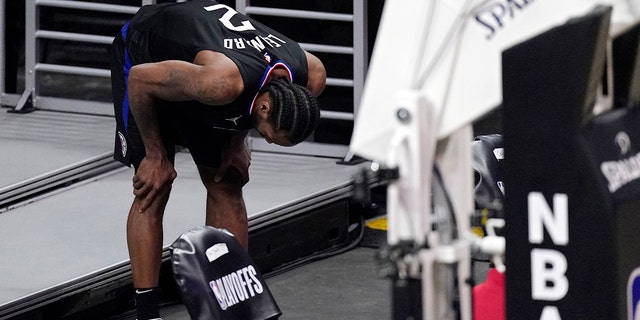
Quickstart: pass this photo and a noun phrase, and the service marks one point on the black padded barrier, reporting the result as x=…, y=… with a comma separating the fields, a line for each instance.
x=217, y=278
x=561, y=254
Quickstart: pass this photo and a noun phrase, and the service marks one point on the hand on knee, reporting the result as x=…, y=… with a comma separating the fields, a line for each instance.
x=152, y=181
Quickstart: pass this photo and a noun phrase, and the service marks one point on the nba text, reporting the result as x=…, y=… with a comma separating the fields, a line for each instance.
x=548, y=266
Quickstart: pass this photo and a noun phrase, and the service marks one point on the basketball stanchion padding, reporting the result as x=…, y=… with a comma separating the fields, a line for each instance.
x=217, y=278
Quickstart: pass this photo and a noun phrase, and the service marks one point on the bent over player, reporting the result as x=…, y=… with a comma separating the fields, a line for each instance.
x=199, y=74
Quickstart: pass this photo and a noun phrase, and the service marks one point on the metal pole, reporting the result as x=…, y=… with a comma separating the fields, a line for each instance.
x=3, y=74
x=326, y=48
x=303, y=14
x=93, y=72
x=241, y=6
x=30, y=49
x=80, y=37
x=105, y=7
x=360, y=50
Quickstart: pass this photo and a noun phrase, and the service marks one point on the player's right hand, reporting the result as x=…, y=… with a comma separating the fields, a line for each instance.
x=153, y=178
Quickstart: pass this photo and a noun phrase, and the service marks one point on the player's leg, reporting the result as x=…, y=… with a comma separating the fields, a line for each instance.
x=144, y=240
x=225, y=204
x=144, y=230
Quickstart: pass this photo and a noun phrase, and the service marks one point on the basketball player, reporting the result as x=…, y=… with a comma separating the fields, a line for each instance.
x=199, y=74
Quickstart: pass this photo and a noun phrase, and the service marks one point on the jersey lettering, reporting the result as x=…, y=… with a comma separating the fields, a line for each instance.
x=226, y=18
x=258, y=42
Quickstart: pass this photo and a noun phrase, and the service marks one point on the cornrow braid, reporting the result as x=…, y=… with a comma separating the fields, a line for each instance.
x=294, y=109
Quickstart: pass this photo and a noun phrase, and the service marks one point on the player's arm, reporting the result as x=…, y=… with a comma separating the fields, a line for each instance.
x=317, y=75
x=212, y=79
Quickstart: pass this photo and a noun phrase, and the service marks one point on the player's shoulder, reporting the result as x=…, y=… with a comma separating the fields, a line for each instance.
x=220, y=72
x=218, y=62
x=317, y=75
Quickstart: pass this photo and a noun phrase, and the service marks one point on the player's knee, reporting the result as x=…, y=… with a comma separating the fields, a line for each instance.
x=232, y=181
x=222, y=191
x=232, y=178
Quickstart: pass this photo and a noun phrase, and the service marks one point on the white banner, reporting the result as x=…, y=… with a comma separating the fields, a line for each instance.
x=451, y=51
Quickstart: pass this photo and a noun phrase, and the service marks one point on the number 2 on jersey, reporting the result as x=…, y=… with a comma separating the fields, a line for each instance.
x=226, y=18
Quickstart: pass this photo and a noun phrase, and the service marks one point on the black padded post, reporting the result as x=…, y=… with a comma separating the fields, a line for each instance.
x=562, y=265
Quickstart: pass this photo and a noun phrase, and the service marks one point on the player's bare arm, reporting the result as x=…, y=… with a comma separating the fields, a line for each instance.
x=317, y=75
x=213, y=79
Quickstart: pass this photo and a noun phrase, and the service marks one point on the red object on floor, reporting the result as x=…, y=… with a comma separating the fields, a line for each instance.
x=488, y=297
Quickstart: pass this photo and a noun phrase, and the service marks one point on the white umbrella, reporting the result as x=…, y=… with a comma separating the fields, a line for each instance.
x=451, y=51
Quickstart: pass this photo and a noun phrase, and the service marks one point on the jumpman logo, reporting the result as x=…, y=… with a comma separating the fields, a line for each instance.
x=234, y=120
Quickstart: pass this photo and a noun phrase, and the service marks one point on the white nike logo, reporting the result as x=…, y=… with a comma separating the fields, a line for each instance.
x=234, y=120
x=138, y=291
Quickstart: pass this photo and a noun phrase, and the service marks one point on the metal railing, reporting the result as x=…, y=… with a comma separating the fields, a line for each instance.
x=33, y=67
x=31, y=97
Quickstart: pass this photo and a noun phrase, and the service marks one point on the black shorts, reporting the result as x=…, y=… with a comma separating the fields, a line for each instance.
x=177, y=125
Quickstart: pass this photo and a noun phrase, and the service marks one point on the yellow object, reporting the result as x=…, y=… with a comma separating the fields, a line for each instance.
x=378, y=223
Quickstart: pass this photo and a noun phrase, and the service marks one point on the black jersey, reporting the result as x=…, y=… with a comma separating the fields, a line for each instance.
x=178, y=31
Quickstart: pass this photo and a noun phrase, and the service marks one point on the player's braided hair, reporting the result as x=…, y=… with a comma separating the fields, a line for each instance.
x=294, y=109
